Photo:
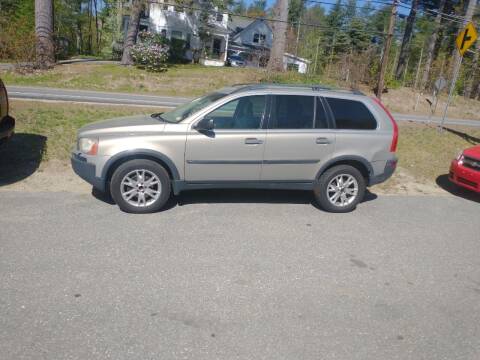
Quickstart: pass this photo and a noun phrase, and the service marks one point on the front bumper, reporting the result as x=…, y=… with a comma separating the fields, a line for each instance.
x=464, y=177
x=86, y=171
x=390, y=167
x=7, y=127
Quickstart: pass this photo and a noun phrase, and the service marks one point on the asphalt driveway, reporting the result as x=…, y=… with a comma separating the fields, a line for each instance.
x=256, y=275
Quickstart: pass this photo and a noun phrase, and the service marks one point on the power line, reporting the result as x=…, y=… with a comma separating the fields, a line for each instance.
x=324, y=27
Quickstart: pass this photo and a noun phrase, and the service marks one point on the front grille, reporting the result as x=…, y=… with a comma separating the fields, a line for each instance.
x=471, y=163
x=467, y=182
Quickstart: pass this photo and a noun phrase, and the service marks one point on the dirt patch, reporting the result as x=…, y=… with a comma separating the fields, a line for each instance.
x=404, y=183
x=56, y=175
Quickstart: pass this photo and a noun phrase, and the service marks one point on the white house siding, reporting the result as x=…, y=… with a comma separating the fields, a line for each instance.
x=174, y=24
x=184, y=25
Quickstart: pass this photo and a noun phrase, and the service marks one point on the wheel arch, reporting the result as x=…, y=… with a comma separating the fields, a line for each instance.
x=115, y=161
x=358, y=162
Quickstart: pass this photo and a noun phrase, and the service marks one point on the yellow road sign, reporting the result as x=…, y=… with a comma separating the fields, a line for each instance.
x=466, y=38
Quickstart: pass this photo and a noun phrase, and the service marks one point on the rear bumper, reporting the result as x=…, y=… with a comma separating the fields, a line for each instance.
x=390, y=167
x=7, y=127
x=464, y=177
x=86, y=171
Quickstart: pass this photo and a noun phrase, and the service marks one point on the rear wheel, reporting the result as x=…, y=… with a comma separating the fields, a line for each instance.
x=340, y=189
x=140, y=186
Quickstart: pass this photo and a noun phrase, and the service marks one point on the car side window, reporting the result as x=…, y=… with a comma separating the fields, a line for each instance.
x=292, y=112
x=351, y=114
x=321, y=121
x=242, y=113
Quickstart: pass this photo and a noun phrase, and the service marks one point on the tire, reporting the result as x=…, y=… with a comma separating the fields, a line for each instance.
x=130, y=191
x=324, y=193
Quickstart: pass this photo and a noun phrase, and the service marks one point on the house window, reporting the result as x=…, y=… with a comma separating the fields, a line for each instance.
x=259, y=38
x=219, y=17
x=165, y=7
x=163, y=32
x=177, y=35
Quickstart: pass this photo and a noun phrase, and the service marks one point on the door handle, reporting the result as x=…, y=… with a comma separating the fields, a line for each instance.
x=322, y=141
x=253, y=141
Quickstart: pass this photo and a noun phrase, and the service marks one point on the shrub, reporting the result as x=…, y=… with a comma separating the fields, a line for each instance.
x=151, y=53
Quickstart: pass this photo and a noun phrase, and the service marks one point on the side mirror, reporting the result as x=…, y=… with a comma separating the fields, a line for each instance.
x=205, y=125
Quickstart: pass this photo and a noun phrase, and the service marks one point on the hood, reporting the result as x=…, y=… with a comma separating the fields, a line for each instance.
x=129, y=124
x=473, y=152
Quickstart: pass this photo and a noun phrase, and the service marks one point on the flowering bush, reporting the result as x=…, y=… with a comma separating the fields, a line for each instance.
x=151, y=53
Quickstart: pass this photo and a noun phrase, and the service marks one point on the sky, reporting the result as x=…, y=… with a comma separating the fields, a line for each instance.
x=401, y=10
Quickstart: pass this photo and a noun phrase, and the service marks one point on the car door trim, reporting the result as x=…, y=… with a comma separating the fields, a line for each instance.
x=224, y=162
x=250, y=162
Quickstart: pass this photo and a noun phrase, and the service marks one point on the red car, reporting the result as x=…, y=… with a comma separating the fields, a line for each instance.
x=465, y=169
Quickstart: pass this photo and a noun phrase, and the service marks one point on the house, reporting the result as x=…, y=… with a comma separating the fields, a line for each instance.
x=178, y=22
x=251, y=38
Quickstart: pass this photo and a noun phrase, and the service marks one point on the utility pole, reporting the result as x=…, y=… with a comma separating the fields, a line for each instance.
x=386, y=50
x=458, y=59
x=316, y=56
x=279, y=35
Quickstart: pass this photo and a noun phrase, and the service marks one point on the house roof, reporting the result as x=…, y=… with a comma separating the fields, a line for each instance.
x=297, y=58
x=238, y=23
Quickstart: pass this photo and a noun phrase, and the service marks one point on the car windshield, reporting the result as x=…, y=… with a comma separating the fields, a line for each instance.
x=183, y=111
x=236, y=57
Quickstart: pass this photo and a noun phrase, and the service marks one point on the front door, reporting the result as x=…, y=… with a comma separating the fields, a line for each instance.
x=299, y=139
x=233, y=150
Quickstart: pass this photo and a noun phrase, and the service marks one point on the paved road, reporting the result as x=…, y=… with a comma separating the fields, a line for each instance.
x=38, y=93
x=256, y=275
x=86, y=96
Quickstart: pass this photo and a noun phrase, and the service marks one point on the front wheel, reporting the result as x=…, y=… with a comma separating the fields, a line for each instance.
x=340, y=189
x=140, y=186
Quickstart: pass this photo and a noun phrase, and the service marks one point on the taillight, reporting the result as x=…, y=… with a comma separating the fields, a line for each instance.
x=393, y=146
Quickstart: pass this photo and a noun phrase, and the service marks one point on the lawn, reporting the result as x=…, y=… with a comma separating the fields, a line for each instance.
x=179, y=80
x=194, y=80
x=47, y=131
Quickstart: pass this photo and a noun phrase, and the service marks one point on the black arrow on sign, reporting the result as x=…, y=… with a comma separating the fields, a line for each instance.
x=465, y=38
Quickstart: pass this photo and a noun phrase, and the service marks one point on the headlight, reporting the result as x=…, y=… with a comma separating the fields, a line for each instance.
x=88, y=146
x=460, y=158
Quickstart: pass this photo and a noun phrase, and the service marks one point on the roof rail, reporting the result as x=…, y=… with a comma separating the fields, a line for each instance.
x=314, y=87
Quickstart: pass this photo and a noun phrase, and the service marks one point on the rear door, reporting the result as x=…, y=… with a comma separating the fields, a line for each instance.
x=358, y=132
x=299, y=139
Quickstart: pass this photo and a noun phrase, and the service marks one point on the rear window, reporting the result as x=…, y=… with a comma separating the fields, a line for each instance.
x=351, y=114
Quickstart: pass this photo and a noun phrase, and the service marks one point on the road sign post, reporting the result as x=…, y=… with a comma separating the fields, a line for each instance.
x=464, y=40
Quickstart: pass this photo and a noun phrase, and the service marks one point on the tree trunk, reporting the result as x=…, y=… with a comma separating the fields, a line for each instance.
x=279, y=36
x=407, y=37
x=133, y=25
x=96, y=25
x=431, y=46
x=45, y=45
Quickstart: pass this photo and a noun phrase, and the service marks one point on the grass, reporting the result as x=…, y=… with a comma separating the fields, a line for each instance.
x=424, y=153
x=194, y=80
x=58, y=123
x=179, y=80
